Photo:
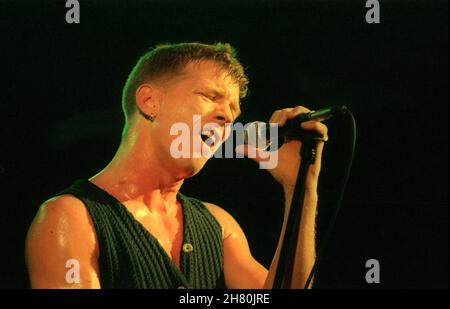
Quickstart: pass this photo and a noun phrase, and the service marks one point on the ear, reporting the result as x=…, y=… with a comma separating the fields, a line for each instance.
x=147, y=99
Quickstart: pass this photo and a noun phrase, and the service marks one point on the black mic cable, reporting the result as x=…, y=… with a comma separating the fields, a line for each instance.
x=339, y=199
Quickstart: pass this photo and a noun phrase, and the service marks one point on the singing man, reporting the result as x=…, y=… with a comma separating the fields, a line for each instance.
x=129, y=226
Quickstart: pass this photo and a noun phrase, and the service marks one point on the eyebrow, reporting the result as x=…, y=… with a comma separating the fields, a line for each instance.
x=218, y=92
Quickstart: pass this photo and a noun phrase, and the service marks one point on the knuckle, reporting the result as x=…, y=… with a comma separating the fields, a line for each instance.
x=302, y=107
x=286, y=111
x=300, y=110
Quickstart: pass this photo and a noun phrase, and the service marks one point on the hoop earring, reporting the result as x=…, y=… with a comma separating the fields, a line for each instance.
x=150, y=117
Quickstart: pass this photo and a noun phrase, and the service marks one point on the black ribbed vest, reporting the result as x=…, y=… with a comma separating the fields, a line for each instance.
x=130, y=257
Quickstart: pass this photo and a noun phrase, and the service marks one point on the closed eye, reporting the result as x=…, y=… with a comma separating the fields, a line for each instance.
x=209, y=97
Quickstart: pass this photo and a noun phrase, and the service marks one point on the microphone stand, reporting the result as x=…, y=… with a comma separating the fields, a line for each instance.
x=284, y=272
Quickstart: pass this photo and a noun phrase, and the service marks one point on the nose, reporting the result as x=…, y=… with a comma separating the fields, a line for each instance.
x=222, y=119
x=223, y=113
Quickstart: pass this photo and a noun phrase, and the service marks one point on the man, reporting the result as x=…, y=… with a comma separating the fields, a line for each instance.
x=128, y=226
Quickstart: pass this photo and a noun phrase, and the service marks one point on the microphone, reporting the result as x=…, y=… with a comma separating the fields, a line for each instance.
x=262, y=135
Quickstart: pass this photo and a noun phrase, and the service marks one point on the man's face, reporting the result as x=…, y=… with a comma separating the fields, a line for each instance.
x=204, y=90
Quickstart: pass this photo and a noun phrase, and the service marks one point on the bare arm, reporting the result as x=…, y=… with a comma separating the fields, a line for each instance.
x=61, y=231
x=241, y=269
x=285, y=172
x=305, y=250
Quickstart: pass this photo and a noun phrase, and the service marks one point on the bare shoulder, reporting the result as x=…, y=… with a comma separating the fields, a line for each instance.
x=61, y=214
x=225, y=219
x=61, y=230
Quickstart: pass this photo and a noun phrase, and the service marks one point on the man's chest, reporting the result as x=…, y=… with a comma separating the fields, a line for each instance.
x=166, y=229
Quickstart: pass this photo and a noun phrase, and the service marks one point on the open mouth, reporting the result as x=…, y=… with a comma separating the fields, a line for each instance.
x=209, y=138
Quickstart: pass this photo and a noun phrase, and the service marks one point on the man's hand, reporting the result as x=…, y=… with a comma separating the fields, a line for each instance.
x=285, y=172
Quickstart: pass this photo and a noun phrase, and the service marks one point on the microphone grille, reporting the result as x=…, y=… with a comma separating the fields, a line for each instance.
x=255, y=134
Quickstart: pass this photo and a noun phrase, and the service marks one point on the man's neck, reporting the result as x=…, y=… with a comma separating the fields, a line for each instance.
x=135, y=177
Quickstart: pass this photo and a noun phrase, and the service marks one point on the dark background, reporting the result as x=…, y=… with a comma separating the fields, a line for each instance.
x=61, y=118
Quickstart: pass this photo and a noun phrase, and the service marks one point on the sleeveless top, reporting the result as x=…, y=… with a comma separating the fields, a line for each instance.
x=131, y=257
